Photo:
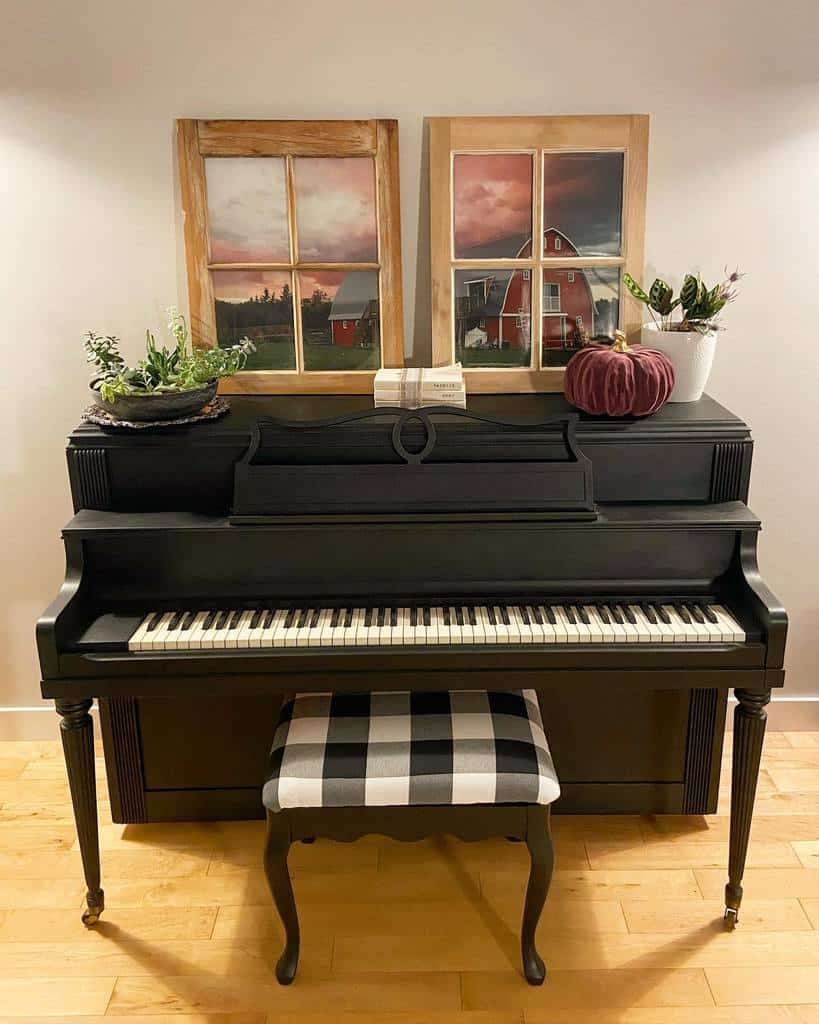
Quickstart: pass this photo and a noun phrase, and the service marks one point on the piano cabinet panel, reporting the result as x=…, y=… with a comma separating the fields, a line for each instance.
x=656, y=752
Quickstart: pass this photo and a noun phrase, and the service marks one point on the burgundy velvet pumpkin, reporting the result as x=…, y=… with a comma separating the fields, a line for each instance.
x=619, y=380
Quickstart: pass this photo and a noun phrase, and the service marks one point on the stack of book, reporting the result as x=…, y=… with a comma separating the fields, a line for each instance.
x=415, y=387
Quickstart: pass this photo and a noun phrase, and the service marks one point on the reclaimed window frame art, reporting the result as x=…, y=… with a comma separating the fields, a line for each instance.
x=293, y=238
x=576, y=185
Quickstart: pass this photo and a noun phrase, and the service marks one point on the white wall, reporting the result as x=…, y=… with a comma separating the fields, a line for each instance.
x=88, y=94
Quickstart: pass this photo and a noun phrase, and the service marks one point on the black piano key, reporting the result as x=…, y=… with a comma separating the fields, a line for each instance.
x=550, y=614
x=709, y=615
x=370, y=616
x=628, y=614
x=648, y=611
x=393, y=617
x=538, y=614
x=523, y=611
x=695, y=612
x=233, y=620
x=255, y=618
x=473, y=618
x=458, y=616
x=617, y=614
x=156, y=618
x=662, y=614
x=504, y=611
x=682, y=611
x=581, y=613
x=210, y=618
x=348, y=618
x=603, y=612
x=314, y=618
x=334, y=617
x=267, y=618
x=427, y=619
x=491, y=615
x=221, y=619
x=413, y=616
x=301, y=621
x=176, y=618
x=381, y=616
x=570, y=616
x=288, y=619
x=445, y=612
x=187, y=621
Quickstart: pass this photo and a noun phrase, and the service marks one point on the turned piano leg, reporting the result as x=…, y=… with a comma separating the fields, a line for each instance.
x=750, y=718
x=77, y=731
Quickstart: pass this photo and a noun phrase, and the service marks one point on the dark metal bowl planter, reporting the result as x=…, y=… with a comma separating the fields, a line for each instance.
x=156, y=405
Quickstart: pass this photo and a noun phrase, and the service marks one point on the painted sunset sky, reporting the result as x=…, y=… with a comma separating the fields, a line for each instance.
x=247, y=209
x=242, y=285
x=335, y=209
x=492, y=201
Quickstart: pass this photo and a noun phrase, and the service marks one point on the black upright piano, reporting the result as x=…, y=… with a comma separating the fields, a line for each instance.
x=313, y=543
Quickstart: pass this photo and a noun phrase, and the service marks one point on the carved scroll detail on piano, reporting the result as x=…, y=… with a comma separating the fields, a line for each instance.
x=441, y=460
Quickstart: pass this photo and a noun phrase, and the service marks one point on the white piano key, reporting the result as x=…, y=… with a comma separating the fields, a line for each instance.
x=191, y=637
x=682, y=633
x=583, y=628
x=596, y=627
x=235, y=631
x=549, y=628
x=713, y=629
x=731, y=628
x=642, y=626
x=137, y=638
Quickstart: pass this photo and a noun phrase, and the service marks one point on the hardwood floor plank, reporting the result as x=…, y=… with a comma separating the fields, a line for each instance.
x=798, y=740
x=586, y=990
x=345, y=993
x=154, y=1018
x=560, y=917
x=680, y=1015
x=678, y=883
x=11, y=767
x=491, y=854
x=415, y=1017
x=747, y=986
x=136, y=923
x=795, y=780
x=779, y=804
x=684, y=829
x=40, y=790
x=45, y=893
x=48, y=813
x=119, y=953
x=694, y=855
x=766, y=883
x=46, y=996
x=35, y=837
x=807, y=850
x=679, y=916
x=811, y=908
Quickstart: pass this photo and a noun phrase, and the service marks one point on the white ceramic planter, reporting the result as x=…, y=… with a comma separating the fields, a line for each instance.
x=692, y=355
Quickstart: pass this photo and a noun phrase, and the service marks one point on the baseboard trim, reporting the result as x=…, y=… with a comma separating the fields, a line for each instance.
x=32, y=723
x=785, y=714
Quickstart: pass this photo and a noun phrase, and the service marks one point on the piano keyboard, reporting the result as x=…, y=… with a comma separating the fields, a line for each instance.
x=451, y=625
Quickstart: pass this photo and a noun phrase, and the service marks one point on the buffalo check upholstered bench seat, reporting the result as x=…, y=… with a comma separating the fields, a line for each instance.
x=406, y=748
x=472, y=763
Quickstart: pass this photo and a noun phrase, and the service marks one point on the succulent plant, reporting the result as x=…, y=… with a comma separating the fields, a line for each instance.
x=700, y=305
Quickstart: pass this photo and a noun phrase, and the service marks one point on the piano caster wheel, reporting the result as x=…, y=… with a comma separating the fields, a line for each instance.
x=90, y=917
x=730, y=919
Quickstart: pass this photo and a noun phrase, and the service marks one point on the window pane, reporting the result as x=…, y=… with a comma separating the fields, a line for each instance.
x=335, y=209
x=492, y=205
x=340, y=322
x=492, y=317
x=247, y=209
x=582, y=204
x=579, y=306
x=257, y=304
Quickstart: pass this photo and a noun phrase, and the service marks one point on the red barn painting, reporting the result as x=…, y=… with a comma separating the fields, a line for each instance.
x=493, y=308
x=354, y=312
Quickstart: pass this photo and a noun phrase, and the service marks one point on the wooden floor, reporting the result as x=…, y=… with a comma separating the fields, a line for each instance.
x=410, y=934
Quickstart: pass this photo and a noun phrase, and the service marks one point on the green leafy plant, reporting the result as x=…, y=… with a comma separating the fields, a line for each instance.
x=163, y=369
x=699, y=305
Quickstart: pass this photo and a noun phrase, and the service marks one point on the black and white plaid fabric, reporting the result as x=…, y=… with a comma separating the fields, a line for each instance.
x=402, y=748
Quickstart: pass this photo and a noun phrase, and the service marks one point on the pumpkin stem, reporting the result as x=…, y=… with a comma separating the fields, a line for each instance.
x=620, y=343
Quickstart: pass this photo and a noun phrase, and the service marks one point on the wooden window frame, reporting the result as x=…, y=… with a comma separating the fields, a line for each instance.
x=626, y=133
x=198, y=139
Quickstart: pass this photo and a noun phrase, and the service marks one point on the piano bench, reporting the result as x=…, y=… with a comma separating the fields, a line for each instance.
x=470, y=763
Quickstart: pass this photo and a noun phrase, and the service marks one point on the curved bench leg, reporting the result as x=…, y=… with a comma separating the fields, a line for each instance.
x=541, y=852
x=278, y=878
